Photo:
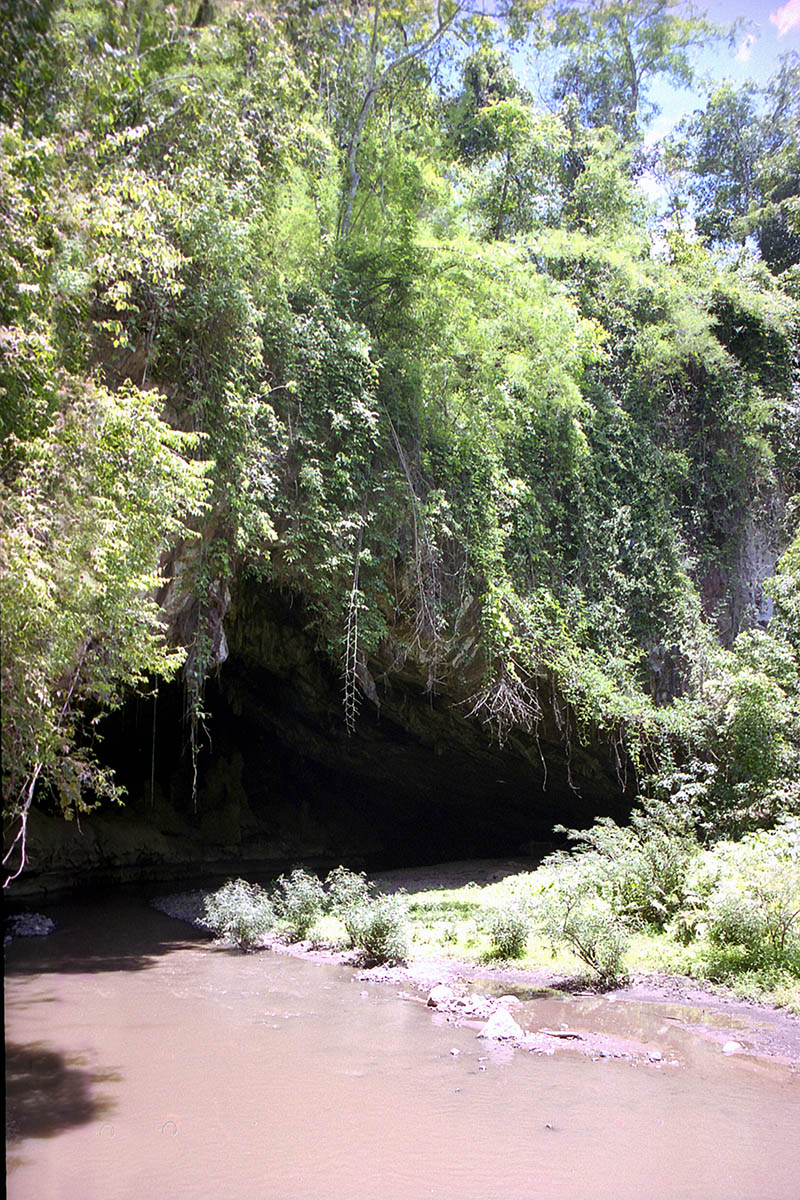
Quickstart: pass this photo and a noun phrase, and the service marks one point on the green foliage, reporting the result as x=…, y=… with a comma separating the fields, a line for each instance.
x=784, y=588
x=434, y=358
x=298, y=900
x=379, y=929
x=754, y=896
x=750, y=721
x=508, y=933
x=738, y=160
x=614, y=52
x=574, y=918
x=640, y=869
x=375, y=924
x=620, y=878
x=348, y=894
x=487, y=79
x=571, y=911
x=516, y=185
x=29, y=62
x=240, y=911
x=87, y=509
x=724, y=144
x=737, y=904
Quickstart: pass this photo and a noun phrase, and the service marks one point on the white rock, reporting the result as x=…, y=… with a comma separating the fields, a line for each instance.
x=732, y=1048
x=501, y=1025
x=480, y=1006
x=441, y=996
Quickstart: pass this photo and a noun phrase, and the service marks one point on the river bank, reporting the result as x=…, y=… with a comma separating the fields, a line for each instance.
x=471, y=989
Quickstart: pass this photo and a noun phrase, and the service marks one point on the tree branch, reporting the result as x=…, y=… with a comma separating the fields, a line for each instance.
x=373, y=88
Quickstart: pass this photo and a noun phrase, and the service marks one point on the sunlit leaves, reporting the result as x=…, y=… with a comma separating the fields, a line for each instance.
x=97, y=497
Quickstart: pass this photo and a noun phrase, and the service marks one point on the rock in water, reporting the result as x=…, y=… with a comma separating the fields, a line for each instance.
x=30, y=925
x=501, y=1025
x=441, y=996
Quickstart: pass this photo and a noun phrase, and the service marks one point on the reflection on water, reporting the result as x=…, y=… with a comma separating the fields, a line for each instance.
x=159, y=1065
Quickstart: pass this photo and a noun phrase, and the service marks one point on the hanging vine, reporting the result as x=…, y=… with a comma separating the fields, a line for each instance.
x=352, y=699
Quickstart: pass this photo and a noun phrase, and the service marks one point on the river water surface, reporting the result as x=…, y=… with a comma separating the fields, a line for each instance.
x=142, y=1062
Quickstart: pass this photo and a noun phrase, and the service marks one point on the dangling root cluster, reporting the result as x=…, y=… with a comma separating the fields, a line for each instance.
x=506, y=703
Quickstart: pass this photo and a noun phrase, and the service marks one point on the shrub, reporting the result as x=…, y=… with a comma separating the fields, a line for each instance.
x=571, y=911
x=754, y=901
x=298, y=902
x=449, y=933
x=733, y=919
x=327, y=934
x=639, y=869
x=240, y=911
x=508, y=932
x=621, y=876
x=379, y=929
x=375, y=924
x=348, y=893
x=687, y=924
x=752, y=730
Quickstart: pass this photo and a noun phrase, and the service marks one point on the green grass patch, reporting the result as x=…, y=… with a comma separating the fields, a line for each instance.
x=455, y=923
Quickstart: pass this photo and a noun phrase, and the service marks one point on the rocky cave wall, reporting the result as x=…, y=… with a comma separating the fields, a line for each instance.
x=280, y=780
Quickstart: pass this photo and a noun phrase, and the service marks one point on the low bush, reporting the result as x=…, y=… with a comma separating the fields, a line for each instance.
x=754, y=896
x=508, y=930
x=347, y=895
x=640, y=868
x=571, y=911
x=733, y=919
x=327, y=934
x=379, y=928
x=240, y=911
x=298, y=902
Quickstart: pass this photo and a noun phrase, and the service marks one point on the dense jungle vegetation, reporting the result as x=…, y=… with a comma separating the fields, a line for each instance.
x=331, y=294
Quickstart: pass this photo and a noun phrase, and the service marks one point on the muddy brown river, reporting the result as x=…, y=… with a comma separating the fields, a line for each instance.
x=142, y=1062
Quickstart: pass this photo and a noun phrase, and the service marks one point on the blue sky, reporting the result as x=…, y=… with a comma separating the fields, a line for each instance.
x=769, y=30
x=772, y=29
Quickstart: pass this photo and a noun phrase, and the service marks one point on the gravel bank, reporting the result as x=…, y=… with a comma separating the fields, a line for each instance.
x=28, y=924
x=184, y=906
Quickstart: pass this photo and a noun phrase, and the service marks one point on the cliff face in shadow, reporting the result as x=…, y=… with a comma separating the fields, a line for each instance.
x=280, y=779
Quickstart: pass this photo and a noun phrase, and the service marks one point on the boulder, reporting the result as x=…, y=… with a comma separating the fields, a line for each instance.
x=501, y=1025
x=441, y=996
